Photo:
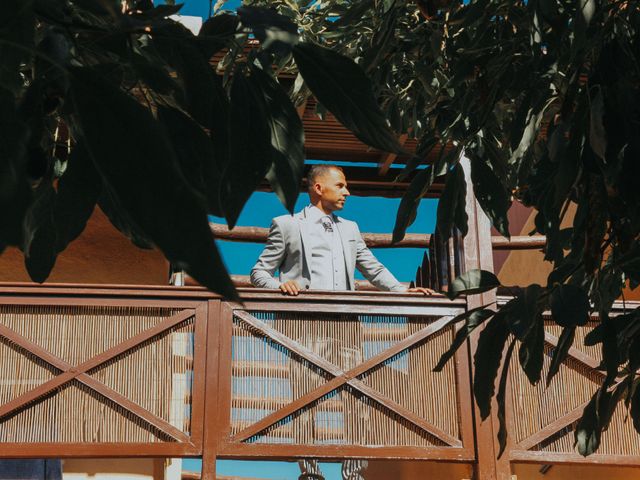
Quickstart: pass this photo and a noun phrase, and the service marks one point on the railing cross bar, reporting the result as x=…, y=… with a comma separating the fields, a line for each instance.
x=341, y=377
x=69, y=373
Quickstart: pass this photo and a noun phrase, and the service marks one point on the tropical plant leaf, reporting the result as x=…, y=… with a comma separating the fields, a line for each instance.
x=491, y=194
x=18, y=27
x=569, y=306
x=344, y=89
x=523, y=311
x=501, y=399
x=78, y=191
x=475, y=318
x=561, y=351
x=531, y=352
x=287, y=140
x=589, y=428
x=40, y=235
x=410, y=202
x=216, y=32
x=473, y=282
x=142, y=173
x=179, y=48
x=196, y=155
x=487, y=362
x=634, y=409
x=15, y=193
x=452, y=204
x=121, y=220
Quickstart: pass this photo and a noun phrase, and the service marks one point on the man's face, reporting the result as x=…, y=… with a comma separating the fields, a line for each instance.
x=331, y=188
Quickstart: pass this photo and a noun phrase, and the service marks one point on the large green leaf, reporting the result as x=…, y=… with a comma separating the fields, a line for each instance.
x=501, y=399
x=472, y=282
x=121, y=220
x=199, y=83
x=569, y=306
x=15, y=193
x=410, y=202
x=142, y=173
x=531, y=352
x=492, y=196
x=40, y=235
x=344, y=89
x=250, y=146
x=452, y=203
x=78, y=191
x=635, y=409
x=475, y=318
x=561, y=351
x=216, y=32
x=487, y=362
x=589, y=428
x=196, y=154
x=287, y=139
x=523, y=311
x=17, y=25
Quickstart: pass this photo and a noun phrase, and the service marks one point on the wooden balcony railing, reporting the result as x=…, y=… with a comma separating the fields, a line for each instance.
x=178, y=372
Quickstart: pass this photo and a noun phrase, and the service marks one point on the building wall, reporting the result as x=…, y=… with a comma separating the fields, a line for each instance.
x=100, y=255
x=122, y=469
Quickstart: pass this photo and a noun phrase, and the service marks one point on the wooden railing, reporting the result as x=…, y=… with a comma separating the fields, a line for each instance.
x=178, y=372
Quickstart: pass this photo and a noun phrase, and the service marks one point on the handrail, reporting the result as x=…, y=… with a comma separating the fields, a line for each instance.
x=380, y=240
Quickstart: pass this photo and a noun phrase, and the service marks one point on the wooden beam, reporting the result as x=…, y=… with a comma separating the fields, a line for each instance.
x=379, y=240
x=373, y=240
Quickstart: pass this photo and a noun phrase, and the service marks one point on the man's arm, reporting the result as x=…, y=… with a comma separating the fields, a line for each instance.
x=270, y=259
x=373, y=270
x=378, y=274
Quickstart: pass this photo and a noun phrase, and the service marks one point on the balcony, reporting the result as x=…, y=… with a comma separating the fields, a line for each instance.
x=112, y=371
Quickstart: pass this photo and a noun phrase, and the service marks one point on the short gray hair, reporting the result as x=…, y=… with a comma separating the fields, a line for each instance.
x=318, y=170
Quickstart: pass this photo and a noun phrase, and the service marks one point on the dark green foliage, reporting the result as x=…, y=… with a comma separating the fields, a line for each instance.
x=410, y=201
x=541, y=98
x=143, y=177
x=287, y=140
x=78, y=192
x=158, y=138
x=474, y=318
x=472, y=282
x=452, y=205
x=343, y=88
x=487, y=361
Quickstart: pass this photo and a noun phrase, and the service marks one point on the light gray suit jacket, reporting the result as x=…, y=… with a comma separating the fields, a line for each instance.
x=287, y=250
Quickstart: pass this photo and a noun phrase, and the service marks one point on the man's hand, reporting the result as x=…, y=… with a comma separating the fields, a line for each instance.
x=290, y=288
x=423, y=290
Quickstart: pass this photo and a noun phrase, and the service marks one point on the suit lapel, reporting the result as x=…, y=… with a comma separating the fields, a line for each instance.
x=346, y=248
x=305, y=238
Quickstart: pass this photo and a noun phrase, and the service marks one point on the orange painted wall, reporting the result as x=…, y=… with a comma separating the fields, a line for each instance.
x=100, y=255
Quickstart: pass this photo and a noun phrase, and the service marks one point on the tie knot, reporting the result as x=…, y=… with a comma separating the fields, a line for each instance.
x=327, y=224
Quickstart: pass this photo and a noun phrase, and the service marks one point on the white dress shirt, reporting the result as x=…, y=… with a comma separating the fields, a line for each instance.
x=328, y=269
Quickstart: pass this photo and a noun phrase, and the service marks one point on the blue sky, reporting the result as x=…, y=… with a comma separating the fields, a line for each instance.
x=372, y=215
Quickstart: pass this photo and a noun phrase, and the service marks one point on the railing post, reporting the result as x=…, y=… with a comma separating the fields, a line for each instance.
x=478, y=254
x=212, y=374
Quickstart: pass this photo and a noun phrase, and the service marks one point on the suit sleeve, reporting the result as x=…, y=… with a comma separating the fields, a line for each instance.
x=270, y=259
x=373, y=270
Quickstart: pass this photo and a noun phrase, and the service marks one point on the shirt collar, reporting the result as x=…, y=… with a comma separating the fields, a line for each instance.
x=315, y=215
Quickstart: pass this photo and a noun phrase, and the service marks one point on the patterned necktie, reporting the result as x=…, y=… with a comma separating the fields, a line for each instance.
x=327, y=224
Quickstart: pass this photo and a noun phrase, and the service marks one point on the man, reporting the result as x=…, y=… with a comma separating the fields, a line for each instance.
x=317, y=250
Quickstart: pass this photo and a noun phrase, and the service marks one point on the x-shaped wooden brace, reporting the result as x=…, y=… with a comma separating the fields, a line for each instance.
x=70, y=372
x=341, y=378
x=569, y=417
